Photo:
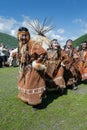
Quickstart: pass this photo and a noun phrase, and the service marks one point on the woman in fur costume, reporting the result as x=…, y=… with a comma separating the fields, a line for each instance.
x=82, y=64
x=55, y=67
x=71, y=74
x=31, y=84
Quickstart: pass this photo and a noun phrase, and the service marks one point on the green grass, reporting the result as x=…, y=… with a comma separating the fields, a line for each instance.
x=67, y=112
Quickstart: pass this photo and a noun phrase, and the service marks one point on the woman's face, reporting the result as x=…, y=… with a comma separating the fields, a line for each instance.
x=69, y=45
x=24, y=37
x=84, y=45
x=55, y=45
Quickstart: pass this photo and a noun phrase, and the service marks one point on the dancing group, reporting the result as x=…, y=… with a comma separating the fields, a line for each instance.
x=53, y=69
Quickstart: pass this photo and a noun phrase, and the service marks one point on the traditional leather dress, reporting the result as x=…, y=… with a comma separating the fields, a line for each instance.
x=71, y=74
x=54, y=73
x=83, y=64
x=31, y=83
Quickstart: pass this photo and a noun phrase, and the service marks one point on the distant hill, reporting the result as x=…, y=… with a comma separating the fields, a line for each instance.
x=78, y=41
x=8, y=40
x=12, y=42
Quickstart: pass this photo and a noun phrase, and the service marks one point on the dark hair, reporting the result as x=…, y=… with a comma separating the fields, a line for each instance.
x=69, y=40
x=23, y=29
x=84, y=42
x=58, y=52
x=54, y=40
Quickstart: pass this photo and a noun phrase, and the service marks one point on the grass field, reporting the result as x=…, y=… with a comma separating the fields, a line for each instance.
x=66, y=112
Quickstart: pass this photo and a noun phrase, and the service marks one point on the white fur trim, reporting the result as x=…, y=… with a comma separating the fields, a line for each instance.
x=38, y=66
x=62, y=64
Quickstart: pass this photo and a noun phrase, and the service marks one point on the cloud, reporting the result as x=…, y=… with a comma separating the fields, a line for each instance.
x=54, y=35
x=80, y=21
x=84, y=30
x=10, y=26
x=60, y=30
x=82, y=25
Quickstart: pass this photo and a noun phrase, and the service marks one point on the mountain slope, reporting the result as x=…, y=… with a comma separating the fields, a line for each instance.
x=78, y=41
x=8, y=40
x=12, y=42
